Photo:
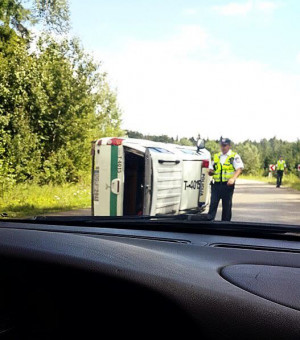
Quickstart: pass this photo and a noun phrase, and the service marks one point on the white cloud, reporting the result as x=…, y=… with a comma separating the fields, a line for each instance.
x=191, y=83
x=238, y=8
x=234, y=8
x=267, y=6
x=190, y=11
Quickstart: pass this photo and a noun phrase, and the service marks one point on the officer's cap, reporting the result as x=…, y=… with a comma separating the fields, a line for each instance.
x=225, y=141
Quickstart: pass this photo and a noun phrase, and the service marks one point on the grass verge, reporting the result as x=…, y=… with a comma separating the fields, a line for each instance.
x=289, y=180
x=24, y=200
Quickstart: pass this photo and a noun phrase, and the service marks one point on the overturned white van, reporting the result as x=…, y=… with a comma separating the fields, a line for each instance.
x=141, y=177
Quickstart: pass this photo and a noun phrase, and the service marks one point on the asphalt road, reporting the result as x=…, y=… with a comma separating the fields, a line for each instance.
x=253, y=201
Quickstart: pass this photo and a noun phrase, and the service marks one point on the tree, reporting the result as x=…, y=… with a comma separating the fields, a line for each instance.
x=212, y=146
x=20, y=154
x=250, y=156
x=21, y=15
x=53, y=13
x=134, y=134
x=185, y=141
x=53, y=103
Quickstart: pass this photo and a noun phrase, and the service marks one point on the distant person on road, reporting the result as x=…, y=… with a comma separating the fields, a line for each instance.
x=280, y=167
x=225, y=168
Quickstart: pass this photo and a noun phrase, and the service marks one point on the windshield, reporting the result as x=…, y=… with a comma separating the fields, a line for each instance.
x=150, y=108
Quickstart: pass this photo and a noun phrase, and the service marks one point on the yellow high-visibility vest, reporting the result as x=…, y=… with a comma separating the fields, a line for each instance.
x=223, y=172
x=280, y=165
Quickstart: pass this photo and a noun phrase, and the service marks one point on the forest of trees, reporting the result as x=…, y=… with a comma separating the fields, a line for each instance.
x=54, y=99
x=256, y=155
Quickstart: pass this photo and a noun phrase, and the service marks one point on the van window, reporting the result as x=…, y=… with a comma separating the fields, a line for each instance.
x=187, y=151
x=161, y=150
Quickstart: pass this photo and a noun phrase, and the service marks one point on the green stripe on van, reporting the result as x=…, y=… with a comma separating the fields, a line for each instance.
x=113, y=175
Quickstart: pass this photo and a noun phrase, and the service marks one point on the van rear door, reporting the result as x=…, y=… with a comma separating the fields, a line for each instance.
x=163, y=181
x=108, y=179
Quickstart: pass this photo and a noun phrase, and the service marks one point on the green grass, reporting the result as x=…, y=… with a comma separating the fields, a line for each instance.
x=26, y=200
x=289, y=180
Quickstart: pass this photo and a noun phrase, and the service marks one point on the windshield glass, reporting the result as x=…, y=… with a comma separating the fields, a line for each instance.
x=150, y=108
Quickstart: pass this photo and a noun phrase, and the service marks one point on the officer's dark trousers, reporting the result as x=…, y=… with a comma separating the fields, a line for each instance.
x=279, y=177
x=221, y=191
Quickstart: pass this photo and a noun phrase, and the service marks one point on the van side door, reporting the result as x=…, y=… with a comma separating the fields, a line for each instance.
x=163, y=181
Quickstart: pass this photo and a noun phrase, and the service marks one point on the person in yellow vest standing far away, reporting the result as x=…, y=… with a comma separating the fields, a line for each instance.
x=225, y=168
x=280, y=167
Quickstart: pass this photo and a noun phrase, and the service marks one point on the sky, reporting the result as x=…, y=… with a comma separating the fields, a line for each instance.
x=214, y=67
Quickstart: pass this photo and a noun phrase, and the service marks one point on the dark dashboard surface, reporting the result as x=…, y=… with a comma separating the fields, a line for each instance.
x=61, y=281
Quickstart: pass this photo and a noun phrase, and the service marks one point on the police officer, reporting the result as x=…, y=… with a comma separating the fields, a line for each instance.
x=225, y=169
x=280, y=166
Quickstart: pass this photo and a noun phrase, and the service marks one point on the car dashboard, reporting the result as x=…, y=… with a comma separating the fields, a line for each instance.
x=62, y=281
